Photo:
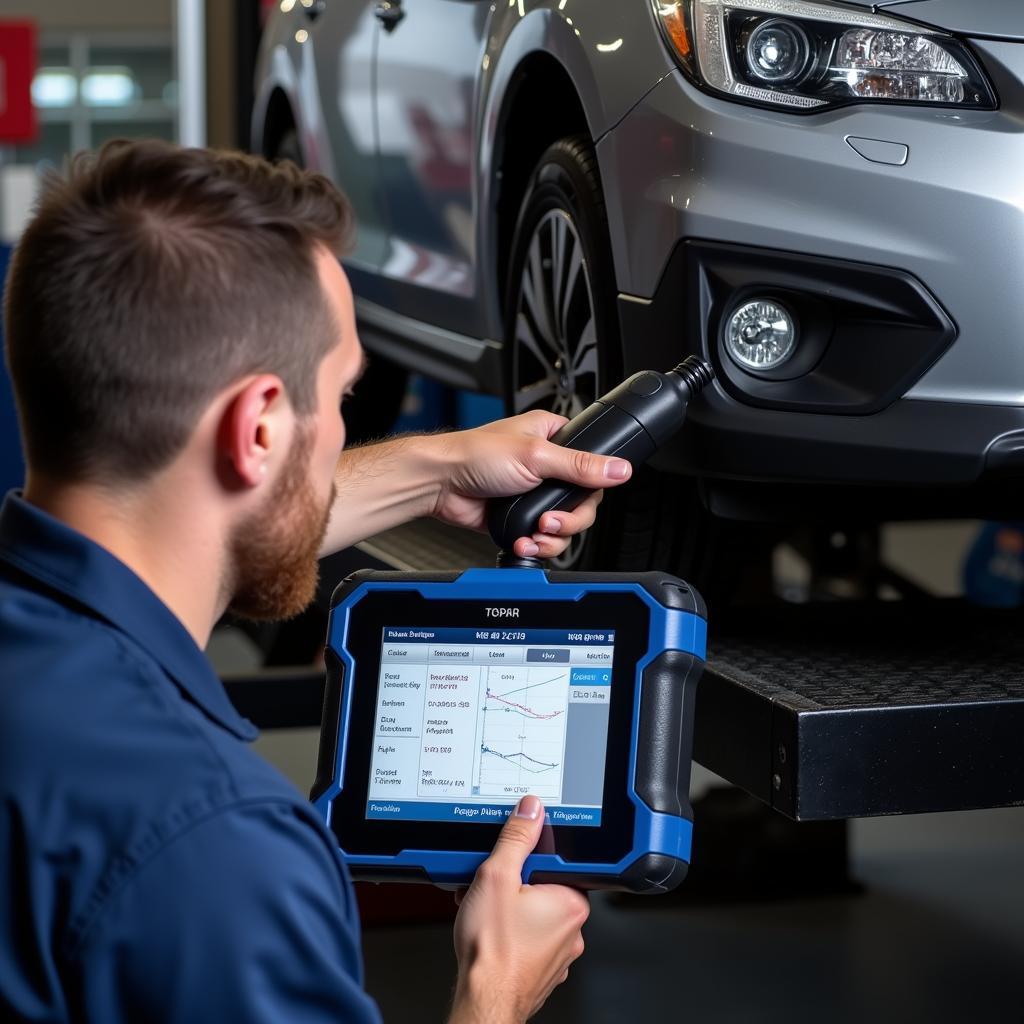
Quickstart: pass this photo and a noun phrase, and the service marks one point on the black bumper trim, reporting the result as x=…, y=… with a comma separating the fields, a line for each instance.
x=783, y=430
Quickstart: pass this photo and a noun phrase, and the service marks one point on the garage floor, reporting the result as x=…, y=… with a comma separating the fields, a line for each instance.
x=937, y=936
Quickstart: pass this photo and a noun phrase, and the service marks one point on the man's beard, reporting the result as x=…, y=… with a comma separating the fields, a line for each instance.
x=274, y=551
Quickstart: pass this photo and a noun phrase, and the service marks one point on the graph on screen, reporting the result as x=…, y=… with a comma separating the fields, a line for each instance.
x=521, y=731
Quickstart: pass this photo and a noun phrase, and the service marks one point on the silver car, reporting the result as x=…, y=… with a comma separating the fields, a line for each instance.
x=823, y=199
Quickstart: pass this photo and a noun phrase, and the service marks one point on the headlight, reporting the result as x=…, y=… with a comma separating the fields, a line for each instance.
x=809, y=55
x=777, y=51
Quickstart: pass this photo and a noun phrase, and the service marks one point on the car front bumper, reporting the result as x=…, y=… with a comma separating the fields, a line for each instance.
x=685, y=170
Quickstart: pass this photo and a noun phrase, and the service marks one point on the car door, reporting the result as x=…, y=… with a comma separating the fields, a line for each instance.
x=340, y=112
x=429, y=55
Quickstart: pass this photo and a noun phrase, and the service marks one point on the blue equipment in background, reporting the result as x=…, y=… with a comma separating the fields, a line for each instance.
x=994, y=568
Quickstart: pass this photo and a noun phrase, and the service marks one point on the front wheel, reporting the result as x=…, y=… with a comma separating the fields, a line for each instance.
x=563, y=347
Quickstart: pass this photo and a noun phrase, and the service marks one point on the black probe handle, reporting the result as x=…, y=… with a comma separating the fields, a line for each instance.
x=630, y=422
x=604, y=429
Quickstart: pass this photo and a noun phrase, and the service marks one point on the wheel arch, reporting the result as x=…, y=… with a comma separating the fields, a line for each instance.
x=276, y=106
x=543, y=78
x=541, y=106
x=277, y=121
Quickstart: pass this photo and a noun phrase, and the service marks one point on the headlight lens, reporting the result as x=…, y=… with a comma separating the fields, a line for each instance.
x=811, y=55
x=777, y=51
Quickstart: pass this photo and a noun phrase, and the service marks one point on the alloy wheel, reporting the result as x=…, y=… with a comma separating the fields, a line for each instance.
x=555, y=357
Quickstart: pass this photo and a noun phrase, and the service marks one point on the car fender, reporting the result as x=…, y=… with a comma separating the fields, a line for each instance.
x=288, y=66
x=274, y=72
x=613, y=56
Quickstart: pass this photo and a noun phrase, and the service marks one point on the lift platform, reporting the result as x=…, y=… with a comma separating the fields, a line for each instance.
x=822, y=711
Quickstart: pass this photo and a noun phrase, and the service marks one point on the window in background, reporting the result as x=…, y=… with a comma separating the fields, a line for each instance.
x=91, y=88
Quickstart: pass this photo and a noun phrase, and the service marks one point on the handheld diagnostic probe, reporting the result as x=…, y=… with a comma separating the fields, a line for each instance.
x=631, y=422
x=451, y=694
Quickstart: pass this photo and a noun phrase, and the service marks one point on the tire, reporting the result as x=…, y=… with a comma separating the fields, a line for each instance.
x=375, y=406
x=561, y=262
x=288, y=147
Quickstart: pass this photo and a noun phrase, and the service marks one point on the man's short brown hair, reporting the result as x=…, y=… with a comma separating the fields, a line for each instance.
x=149, y=279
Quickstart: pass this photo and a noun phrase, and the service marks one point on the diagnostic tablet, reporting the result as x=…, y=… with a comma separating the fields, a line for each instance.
x=451, y=696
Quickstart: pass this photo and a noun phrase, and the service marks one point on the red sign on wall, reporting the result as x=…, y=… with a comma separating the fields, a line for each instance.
x=17, y=66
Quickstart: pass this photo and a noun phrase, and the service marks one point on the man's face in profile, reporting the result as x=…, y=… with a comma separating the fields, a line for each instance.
x=275, y=550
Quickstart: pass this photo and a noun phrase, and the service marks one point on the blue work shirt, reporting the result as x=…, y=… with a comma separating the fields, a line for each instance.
x=153, y=868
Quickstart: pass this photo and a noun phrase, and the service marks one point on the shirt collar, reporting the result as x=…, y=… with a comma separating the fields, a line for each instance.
x=67, y=561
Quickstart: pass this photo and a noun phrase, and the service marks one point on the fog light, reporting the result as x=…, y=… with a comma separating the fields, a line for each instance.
x=760, y=335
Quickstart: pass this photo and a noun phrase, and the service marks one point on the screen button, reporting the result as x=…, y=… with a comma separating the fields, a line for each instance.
x=548, y=655
x=509, y=655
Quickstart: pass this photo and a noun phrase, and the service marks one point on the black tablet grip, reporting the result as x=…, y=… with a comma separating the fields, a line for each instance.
x=665, y=732
x=330, y=726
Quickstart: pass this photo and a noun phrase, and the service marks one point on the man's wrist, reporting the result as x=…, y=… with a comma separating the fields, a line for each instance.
x=478, y=1000
x=430, y=459
x=384, y=484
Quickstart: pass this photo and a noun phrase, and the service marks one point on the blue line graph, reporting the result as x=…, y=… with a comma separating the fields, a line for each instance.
x=546, y=766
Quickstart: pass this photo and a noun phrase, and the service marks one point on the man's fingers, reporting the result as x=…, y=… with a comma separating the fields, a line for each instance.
x=585, y=469
x=518, y=837
x=573, y=521
x=541, y=546
x=558, y=528
x=527, y=547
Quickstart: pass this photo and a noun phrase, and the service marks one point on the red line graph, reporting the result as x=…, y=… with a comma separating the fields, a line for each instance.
x=522, y=707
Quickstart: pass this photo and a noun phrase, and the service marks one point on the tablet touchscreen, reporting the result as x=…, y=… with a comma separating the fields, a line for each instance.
x=467, y=720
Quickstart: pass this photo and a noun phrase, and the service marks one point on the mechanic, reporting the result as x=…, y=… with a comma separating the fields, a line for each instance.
x=180, y=334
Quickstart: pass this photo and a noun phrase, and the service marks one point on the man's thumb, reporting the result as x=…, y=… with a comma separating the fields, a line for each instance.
x=585, y=469
x=519, y=834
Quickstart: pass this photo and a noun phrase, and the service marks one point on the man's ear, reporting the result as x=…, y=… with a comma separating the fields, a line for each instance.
x=254, y=429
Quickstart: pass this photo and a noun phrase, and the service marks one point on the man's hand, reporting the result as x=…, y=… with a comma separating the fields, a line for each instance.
x=514, y=942
x=451, y=476
x=512, y=456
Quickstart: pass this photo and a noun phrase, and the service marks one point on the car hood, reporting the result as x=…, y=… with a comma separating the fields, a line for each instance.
x=998, y=19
